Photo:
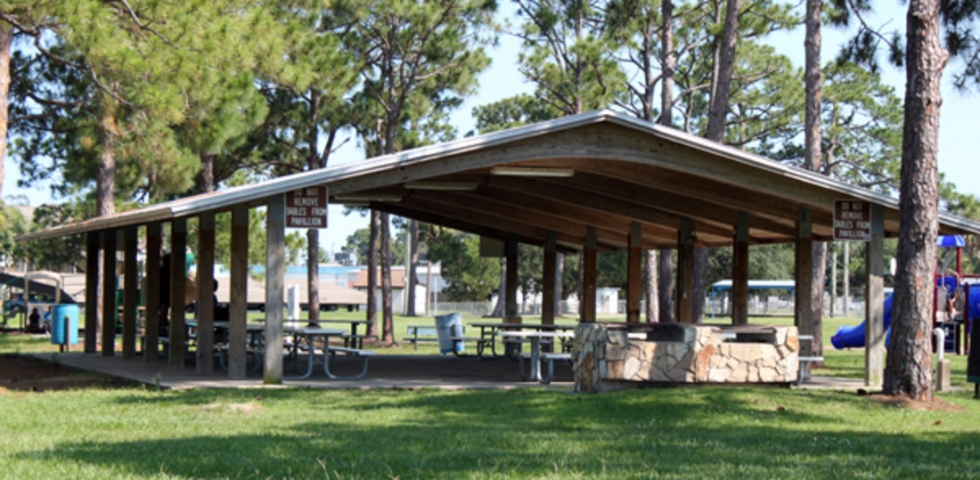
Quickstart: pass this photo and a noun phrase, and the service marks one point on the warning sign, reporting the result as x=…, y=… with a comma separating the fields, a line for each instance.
x=307, y=208
x=852, y=220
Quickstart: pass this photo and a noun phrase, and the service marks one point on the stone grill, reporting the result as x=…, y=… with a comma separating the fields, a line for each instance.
x=615, y=356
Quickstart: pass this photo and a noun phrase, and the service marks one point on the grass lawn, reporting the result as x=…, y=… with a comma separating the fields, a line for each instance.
x=732, y=432
x=670, y=433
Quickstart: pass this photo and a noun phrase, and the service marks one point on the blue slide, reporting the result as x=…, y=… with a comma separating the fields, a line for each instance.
x=853, y=337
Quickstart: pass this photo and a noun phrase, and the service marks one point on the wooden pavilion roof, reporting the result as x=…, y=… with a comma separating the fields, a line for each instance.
x=599, y=169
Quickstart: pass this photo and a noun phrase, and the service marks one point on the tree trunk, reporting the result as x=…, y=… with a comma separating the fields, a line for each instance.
x=819, y=250
x=413, y=261
x=313, y=162
x=846, y=307
x=908, y=370
x=372, y=293
x=812, y=159
x=6, y=39
x=665, y=263
x=665, y=266
x=650, y=277
x=105, y=181
x=207, y=173
x=313, y=275
x=498, y=308
x=720, y=89
x=559, y=278
x=388, y=325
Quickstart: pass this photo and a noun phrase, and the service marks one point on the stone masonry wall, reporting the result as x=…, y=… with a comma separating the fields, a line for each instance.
x=606, y=359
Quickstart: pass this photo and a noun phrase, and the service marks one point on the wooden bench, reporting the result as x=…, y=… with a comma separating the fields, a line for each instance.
x=328, y=364
x=481, y=344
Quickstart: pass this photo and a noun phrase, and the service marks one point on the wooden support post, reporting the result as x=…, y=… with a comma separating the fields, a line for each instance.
x=685, y=271
x=510, y=294
x=130, y=291
x=548, y=279
x=205, y=293
x=151, y=333
x=740, y=271
x=874, y=327
x=93, y=239
x=238, y=306
x=275, y=265
x=109, y=313
x=178, y=291
x=803, y=275
x=634, y=273
x=589, y=276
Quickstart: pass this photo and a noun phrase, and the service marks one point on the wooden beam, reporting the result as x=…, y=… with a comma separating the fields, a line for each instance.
x=677, y=204
x=130, y=291
x=109, y=277
x=589, y=276
x=634, y=274
x=274, y=271
x=803, y=274
x=472, y=222
x=548, y=279
x=238, y=307
x=178, y=291
x=684, y=302
x=716, y=192
x=481, y=211
x=602, y=204
x=510, y=292
x=874, y=326
x=205, y=293
x=740, y=271
x=570, y=212
x=92, y=244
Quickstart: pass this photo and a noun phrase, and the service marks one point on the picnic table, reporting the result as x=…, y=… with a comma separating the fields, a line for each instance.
x=490, y=330
x=309, y=334
x=351, y=340
x=535, y=338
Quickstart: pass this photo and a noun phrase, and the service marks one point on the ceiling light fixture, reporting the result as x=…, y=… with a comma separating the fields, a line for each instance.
x=533, y=172
x=381, y=197
x=442, y=186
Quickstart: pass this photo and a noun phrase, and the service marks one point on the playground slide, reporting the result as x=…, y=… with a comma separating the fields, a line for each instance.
x=852, y=337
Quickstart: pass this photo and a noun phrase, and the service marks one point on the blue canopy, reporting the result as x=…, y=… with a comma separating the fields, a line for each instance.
x=951, y=241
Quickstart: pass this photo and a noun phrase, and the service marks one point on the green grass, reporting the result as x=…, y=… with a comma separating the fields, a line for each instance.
x=717, y=432
x=669, y=433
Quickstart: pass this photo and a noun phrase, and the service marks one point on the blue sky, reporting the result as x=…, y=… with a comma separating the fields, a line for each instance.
x=958, y=155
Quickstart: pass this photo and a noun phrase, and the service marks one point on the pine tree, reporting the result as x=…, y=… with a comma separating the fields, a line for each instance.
x=420, y=59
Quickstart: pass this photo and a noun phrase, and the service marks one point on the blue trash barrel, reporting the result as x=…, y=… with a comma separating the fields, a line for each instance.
x=447, y=327
x=59, y=312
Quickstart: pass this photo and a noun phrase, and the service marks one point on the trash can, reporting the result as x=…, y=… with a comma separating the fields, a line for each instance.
x=447, y=327
x=59, y=335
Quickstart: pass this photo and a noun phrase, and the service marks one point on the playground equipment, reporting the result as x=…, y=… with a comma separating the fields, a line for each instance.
x=948, y=284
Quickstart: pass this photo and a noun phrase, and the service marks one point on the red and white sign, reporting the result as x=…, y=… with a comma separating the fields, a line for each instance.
x=852, y=220
x=307, y=208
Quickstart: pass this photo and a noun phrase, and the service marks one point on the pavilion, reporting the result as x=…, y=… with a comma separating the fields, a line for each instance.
x=598, y=181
